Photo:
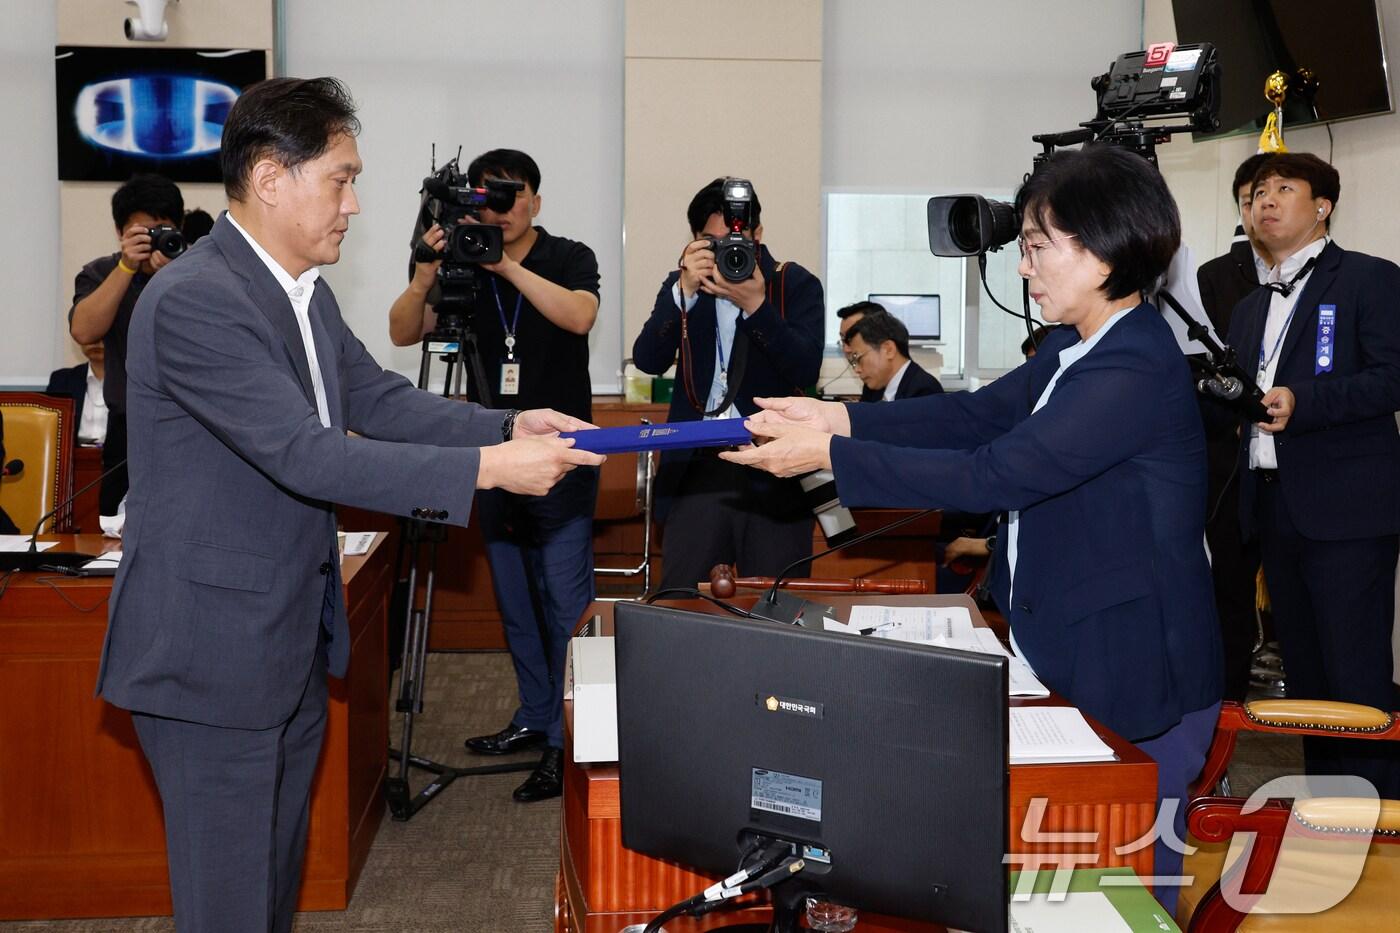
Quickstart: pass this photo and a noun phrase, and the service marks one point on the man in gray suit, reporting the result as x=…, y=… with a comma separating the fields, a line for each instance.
x=227, y=613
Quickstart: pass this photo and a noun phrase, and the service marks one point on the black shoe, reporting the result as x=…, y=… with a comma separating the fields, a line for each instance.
x=512, y=738
x=546, y=781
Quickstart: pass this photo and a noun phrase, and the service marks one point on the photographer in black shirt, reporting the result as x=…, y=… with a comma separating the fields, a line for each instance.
x=531, y=318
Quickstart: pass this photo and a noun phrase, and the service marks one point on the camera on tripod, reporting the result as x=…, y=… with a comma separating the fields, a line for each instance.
x=1164, y=81
x=167, y=240
x=454, y=205
x=735, y=254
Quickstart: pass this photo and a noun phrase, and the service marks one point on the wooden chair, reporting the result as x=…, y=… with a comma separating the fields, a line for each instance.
x=1313, y=861
x=38, y=431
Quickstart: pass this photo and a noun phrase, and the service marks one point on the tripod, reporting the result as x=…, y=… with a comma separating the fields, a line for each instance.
x=454, y=343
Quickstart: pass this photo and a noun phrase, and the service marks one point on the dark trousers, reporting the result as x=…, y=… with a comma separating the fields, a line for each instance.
x=720, y=517
x=235, y=803
x=1234, y=565
x=541, y=553
x=1179, y=752
x=113, y=488
x=1333, y=608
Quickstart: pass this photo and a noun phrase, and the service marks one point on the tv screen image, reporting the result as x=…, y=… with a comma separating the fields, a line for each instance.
x=884, y=763
x=922, y=314
x=127, y=110
x=1339, y=44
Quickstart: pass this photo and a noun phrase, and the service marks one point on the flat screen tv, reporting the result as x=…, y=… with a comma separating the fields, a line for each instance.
x=127, y=110
x=922, y=314
x=1339, y=44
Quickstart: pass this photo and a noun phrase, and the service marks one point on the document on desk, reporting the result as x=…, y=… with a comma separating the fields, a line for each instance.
x=1045, y=734
x=11, y=543
x=1077, y=912
x=945, y=627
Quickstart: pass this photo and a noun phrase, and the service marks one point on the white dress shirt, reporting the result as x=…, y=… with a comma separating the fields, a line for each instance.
x=299, y=294
x=893, y=387
x=92, y=429
x=1068, y=357
x=1262, y=455
x=726, y=326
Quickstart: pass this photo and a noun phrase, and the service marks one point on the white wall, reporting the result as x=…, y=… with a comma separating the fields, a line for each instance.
x=29, y=314
x=540, y=76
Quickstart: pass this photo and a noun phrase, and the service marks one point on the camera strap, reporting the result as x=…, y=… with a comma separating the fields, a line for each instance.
x=738, y=360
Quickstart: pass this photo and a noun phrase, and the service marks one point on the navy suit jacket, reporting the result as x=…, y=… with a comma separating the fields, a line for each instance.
x=778, y=349
x=230, y=572
x=1339, y=456
x=917, y=382
x=70, y=382
x=1112, y=603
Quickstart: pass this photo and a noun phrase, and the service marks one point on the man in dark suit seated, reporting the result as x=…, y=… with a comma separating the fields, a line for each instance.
x=83, y=384
x=1320, y=481
x=877, y=347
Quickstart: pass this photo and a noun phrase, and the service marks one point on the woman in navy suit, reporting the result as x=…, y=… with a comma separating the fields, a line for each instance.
x=1094, y=448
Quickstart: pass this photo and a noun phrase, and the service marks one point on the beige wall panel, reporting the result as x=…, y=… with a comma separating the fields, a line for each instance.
x=85, y=213
x=724, y=29
x=221, y=24
x=671, y=151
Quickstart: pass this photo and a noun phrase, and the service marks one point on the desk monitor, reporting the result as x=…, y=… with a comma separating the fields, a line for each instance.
x=889, y=758
x=922, y=314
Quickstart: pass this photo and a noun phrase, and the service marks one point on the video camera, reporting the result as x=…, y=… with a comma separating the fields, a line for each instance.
x=735, y=254
x=1164, y=81
x=449, y=201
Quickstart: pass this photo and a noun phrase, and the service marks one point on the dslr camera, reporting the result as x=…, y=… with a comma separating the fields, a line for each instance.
x=735, y=254
x=455, y=206
x=168, y=240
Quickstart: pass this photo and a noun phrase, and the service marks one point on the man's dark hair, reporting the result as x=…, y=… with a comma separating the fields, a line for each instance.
x=149, y=194
x=504, y=163
x=1244, y=175
x=197, y=223
x=1115, y=204
x=289, y=120
x=710, y=200
x=860, y=307
x=878, y=326
x=1321, y=177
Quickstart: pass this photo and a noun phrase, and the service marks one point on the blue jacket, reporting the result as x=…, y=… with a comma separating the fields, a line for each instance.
x=1113, y=604
x=778, y=349
x=1339, y=457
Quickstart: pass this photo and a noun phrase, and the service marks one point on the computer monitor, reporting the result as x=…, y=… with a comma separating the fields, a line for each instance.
x=888, y=759
x=922, y=314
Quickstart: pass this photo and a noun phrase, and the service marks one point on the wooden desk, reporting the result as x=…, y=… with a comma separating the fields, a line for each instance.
x=81, y=833
x=603, y=887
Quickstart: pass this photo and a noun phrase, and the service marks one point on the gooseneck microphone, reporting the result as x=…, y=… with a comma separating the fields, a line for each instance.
x=33, y=558
x=13, y=468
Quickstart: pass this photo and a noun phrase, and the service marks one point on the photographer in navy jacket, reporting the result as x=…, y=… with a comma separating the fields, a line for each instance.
x=1096, y=450
x=730, y=341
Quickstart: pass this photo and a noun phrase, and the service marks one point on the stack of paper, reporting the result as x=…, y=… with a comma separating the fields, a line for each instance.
x=16, y=543
x=1043, y=734
x=946, y=627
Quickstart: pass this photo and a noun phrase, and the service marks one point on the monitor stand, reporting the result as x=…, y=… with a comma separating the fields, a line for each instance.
x=789, y=906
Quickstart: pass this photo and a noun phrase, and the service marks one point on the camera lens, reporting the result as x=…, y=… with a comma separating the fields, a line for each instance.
x=467, y=243
x=168, y=241
x=736, y=261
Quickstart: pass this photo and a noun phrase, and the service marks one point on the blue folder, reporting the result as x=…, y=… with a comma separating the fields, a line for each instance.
x=680, y=435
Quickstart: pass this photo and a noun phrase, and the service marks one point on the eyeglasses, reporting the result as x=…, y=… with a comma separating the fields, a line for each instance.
x=1030, y=250
x=854, y=358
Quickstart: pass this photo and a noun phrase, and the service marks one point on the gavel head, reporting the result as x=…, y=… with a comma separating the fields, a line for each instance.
x=722, y=581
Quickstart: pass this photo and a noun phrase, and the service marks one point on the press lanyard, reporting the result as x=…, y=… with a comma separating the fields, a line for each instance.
x=515, y=322
x=719, y=351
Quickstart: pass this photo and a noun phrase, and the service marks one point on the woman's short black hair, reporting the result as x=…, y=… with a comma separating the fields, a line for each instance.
x=504, y=163
x=290, y=120
x=1117, y=206
x=149, y=194
x=710, y=200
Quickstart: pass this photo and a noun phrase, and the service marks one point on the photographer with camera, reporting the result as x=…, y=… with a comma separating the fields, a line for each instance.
x=531, y=318
x=737, y=324
x=147, y=211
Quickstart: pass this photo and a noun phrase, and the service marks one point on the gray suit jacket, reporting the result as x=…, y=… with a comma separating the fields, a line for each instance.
x=229, y=570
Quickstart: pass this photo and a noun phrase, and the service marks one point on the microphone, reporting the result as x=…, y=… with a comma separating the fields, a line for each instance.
x=785, y=607
x=62, y=561
x=13, y=468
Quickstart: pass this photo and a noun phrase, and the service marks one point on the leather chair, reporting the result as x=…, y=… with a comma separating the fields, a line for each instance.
x=39, y=431
x=1321, y=832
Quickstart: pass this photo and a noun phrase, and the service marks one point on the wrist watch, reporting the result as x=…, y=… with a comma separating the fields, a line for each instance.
x=991, y=544
x=508, y=426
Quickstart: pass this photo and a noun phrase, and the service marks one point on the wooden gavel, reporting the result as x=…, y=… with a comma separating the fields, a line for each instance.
x=723, y=584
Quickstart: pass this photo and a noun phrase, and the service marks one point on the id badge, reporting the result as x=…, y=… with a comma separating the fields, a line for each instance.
x=1326, y=339
x=510, y=378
